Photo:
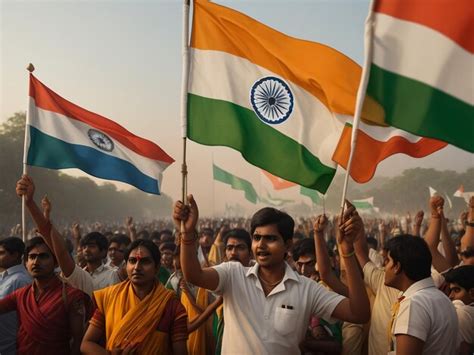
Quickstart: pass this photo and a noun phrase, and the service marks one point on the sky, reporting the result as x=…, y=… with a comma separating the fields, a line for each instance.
x=122, y=59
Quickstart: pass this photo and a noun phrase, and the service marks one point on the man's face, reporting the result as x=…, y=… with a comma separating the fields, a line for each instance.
x=205, y=241
x=141, y=267
x=457, y=292
x=268, y=246
x=391, y=271
x=467, y=260
x=237, y=250
x=7, y=260
x=92, y=253
x=40, y=262
x=167, y=258
x=306, y=265
x=116, y=253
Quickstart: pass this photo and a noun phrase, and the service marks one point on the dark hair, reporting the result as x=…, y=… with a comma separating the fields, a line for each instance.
x=155, y=235
x=372, y=241
x=303, y=247
x=238, y=233
x=167, y=246
x=462, y=275
x=95, y=238
x=143, y=234
x=33, y=243
x=166, y=232
x=413, y=255
x=13, y=245
x=152, y=248
x=207, y=231
x=468, y=252
x=121, y=239
x=268, y=215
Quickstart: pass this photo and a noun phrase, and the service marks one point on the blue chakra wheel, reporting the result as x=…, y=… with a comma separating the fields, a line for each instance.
x=272, y=100
x=100, y=140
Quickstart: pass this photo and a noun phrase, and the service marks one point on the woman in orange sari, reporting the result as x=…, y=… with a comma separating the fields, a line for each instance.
x=138, y=316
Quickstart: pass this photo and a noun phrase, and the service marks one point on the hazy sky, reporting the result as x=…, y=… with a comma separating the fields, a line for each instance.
x=122, y=59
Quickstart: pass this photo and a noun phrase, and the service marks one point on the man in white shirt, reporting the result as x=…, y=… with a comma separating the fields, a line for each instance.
x=13, y=275
x=268, y=306
x=424, y=319
x=461, y=287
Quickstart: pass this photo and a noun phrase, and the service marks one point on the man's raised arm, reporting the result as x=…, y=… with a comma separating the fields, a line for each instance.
x=25, y=187
x=193, y=272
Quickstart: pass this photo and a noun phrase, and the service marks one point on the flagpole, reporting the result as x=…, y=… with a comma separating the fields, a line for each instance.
x=184, y=99
x=31, y=69
x=369, y=25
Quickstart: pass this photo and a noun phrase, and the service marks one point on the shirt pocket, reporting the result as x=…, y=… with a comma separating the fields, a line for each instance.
x=285, y=320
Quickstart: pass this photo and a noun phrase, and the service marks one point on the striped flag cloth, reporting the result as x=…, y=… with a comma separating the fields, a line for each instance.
x=422, y=68
x=62, y=135
x=235, y=182
x=280, y=101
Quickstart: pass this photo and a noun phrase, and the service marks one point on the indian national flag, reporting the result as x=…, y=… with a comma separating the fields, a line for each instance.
x=423, y=66
x=62, y=135
x=280, y=101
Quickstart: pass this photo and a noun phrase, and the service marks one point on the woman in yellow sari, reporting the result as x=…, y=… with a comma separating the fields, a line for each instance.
x=137, y=316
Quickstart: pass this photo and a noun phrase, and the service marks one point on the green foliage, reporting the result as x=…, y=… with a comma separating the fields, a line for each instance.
x=73, y=198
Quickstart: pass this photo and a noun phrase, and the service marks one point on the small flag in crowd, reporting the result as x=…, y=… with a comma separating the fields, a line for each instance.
x=236, y=183
x=422, y=65
x=312, y=194
x=62, y=135
x=280, y=101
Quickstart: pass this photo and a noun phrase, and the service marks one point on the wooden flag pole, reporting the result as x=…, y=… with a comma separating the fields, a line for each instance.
x=31, y=69
x=184, y=100
x=369, y=25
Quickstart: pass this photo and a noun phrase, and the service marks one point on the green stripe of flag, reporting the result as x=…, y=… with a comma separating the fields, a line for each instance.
x=422, y=109
x=236, y=183
x=217, y=122
x=362, y=205
x=312, y=194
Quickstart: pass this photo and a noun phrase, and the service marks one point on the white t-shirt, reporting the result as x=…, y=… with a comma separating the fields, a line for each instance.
x=276, y=324
x=427, y=314
x=465, y=315
x=102, y=277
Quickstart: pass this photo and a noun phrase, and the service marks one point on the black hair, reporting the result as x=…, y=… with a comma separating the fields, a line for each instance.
x=95, y=238
x=33, y=243
x=268, y=215
x=372, y=241
x=413, y=255
x=155, y=235
x=303, y=247
x=152, y=248
x=207, y=231
x=167, y=232
x=13, y=245
x=167, y=246
x=240, y=234
x=468, y=252
x=143, y=234
x=462, y=275
x=120, y=239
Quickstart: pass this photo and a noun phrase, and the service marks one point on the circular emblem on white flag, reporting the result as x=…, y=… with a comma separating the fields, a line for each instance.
x=100, y=140
x=272, y=100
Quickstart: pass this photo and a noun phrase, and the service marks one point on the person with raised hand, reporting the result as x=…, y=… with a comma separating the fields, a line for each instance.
x=268, y=306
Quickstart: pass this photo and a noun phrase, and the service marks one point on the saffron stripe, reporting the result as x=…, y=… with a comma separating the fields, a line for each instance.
x=327, y=74
x=47, y=99
x=53, y=153
x=454, y=19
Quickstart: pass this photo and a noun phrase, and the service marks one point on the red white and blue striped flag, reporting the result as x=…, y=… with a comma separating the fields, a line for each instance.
x=62, y=135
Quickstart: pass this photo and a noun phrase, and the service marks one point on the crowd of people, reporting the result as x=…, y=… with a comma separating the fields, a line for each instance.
x=265, y=285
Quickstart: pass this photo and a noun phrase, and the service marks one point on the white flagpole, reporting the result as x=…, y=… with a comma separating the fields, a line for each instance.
x=368, y=41
x=184, y=98
x=31, y=69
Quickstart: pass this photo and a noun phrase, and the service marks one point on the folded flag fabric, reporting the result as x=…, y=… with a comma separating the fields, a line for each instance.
x=377, y=143
x=62, y=135
x=465, y=195
x=433, y=192
x=277, y=182
x=422, y=66
x=364, y=204
x=280, y=101
x=237, y=183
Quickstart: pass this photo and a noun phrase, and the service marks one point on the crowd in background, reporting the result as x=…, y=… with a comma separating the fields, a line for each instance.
x=99, y=287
